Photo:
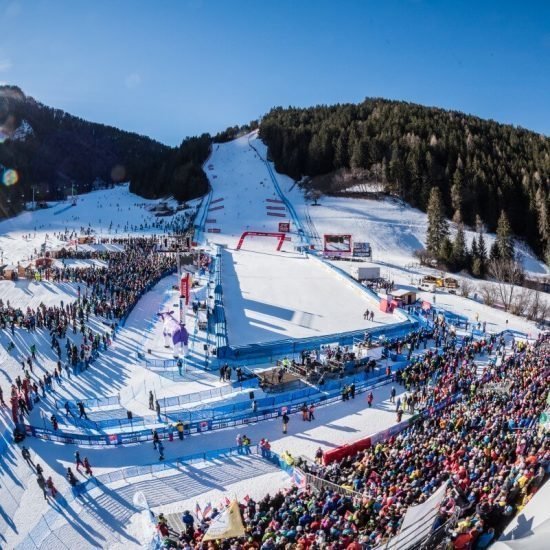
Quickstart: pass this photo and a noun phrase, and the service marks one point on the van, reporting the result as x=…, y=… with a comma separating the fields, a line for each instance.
x=427, y=287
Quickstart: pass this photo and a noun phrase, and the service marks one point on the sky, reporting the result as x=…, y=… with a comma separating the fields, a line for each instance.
x=175, y=68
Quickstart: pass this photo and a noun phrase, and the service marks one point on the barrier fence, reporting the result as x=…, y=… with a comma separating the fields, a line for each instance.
x=201, y=421
x=270, y=351
x=208, y=394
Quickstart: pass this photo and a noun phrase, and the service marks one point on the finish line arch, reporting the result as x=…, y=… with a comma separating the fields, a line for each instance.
x=281, y=236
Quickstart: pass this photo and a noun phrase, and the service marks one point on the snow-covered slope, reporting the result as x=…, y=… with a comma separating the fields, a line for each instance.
x=109, y=213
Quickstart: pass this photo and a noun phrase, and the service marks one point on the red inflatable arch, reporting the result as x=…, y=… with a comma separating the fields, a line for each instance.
x=280, y=236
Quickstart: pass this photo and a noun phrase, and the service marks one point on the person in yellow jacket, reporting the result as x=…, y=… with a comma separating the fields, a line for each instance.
x=179, y=428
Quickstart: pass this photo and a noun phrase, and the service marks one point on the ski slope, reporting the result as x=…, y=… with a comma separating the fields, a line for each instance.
x=268, y=295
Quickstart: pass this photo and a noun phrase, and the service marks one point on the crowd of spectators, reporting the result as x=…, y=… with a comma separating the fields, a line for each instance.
x=107, y=293
x=485, y=446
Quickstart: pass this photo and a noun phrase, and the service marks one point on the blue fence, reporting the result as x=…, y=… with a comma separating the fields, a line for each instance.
x=286, y=202
x=208, y=394
x=268, y=351
x=207, y=420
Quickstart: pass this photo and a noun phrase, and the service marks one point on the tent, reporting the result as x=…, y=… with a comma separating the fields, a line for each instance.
x=531, y=527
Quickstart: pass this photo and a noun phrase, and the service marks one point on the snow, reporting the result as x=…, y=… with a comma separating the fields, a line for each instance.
x=270, y=296
x=22, y=132
x=267, y=294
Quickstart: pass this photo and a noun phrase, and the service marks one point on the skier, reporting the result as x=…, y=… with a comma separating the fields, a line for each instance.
x=310, y=412
x=392, y=395
x=151, y=401
x=352, y=390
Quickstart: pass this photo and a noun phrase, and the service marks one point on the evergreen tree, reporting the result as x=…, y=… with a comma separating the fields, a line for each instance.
x=446, y=251
x=541, y=203
x=494, y=254
x=482, y=254
x=474, y=257
x=504, y=240
x=459, y=253
x=438, y=228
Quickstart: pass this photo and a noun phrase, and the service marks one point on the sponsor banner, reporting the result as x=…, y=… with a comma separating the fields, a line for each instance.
x=212, y=220
x=361, y=249
x=276, y=207
x=216, y=208
x=284, y=227
x=217, y=200
x=337, y=245
x=276, y=214
x=213, y=230
x=274, y=200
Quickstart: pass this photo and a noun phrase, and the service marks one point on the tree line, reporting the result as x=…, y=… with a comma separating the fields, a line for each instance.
x=481, y=168
x=62, y=152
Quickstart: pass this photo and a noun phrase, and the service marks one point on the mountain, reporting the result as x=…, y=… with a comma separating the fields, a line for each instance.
x=480, y=166
x=50, y=150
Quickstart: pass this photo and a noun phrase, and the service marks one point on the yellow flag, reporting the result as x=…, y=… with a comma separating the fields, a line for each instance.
x=227, y=525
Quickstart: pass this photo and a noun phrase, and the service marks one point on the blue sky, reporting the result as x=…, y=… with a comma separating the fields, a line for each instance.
x=172, y=68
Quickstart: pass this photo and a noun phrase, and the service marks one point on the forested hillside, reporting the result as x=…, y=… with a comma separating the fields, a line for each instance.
x=51, y=150
x=480, y=166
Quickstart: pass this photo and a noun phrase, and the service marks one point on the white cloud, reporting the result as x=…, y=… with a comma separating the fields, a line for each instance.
x=132, y=80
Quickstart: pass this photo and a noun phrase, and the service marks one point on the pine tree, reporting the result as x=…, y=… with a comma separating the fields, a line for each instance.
x=541, y=203
x=457, y=192
x=504, y=240
x=438, y=228
x=482, y=254
x=494, y=254
x=474, y=257
x=459, y=253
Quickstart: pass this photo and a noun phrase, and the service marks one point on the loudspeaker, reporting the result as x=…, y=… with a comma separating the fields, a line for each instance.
x=251, y=395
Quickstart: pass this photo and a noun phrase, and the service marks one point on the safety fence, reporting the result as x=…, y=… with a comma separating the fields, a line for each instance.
x=220, y=322
x=204, y=420
x=289, y=206
x=271, y=351
x=200, y=219
x=11, y=488
x=49, y=525
x=92, y=403
x=205, y=395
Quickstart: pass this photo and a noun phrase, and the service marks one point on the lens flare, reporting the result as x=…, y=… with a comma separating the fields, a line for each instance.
x=10, y=177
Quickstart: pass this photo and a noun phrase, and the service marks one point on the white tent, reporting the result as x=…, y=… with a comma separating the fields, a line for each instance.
x=418, y=521
x=531, y=527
